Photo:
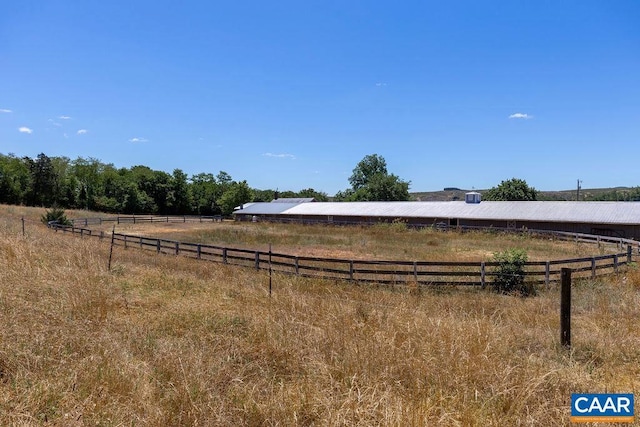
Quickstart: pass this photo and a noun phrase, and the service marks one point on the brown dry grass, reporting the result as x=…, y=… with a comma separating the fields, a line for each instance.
x=162, y=340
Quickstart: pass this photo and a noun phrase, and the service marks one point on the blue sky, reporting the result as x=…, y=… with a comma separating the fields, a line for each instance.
x=293, y=94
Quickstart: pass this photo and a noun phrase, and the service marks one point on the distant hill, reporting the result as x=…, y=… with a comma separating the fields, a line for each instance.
x=452, y=194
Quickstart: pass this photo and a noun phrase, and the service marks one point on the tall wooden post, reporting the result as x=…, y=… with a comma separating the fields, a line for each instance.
x=113, y=235
x=565, y=308
x=270, y=271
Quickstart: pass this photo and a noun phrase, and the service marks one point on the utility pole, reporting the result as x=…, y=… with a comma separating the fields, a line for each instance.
x=578, y=192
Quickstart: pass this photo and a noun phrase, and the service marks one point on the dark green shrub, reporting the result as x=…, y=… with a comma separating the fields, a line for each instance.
x=509, y=274
x=55, y=214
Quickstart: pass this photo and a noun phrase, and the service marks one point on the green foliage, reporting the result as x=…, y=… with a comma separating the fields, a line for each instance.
x=509, y=273
x=55, y=214
x=370, y=181
x=238, y=194
x=93, y=185
x=623, y=195
x=513, y=189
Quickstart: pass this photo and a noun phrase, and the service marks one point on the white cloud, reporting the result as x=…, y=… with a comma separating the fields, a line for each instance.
x=521, y=116
x=280, y=156
x=66, y=136
x=380, y=84
x=82, y=131
x=4, y=110
x=24, y=129
x=138, y=140
x=64, y=117
x=53, y=122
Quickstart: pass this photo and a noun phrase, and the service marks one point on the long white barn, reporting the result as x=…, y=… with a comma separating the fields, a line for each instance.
x=620, y=219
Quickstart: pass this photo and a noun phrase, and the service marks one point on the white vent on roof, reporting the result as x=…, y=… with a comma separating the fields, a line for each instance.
x=472, y=197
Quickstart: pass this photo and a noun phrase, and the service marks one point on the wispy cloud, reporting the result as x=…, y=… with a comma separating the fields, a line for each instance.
x=379, y=84
x=138, y=140
x=64, y=117
x=24, y=129
x=4, y=110
x=521, y=116
x=53, y=122
x=82, y=131
x=280, y=156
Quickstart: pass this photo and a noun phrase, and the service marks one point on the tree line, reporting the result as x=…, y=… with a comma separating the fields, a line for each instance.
x=93, y=185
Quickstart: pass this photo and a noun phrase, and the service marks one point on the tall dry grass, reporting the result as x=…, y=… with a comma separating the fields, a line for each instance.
x=162, y=341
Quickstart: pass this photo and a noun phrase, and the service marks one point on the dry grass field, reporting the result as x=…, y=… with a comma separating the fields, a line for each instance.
x=170, y=341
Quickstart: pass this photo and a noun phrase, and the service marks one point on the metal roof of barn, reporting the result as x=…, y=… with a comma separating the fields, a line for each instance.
x=266, y=208
x=546, y=211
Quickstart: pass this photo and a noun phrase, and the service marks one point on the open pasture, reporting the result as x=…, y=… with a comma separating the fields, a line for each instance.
x=164, y=340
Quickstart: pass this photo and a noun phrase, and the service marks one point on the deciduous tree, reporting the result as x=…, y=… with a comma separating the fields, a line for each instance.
x=511, y=190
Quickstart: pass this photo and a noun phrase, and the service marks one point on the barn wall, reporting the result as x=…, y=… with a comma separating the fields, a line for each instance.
x=612, y=230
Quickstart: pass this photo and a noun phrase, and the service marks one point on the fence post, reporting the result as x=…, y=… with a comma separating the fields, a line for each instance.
x=629, y=251
x=199, y=256
x=565, y=308
x=177, y=248
x=224, y=255
x=297, y=266
x=113, y=235
x=615, y=263
x=415, y=271
x=158, y=245
x=547, y=273
x=351, y=270
x=483, y=282
x=257, y=260
x=56, y=229
x=140, y=242
x=270, y=271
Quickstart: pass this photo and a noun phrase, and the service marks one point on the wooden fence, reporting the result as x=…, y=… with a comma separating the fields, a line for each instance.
x=141, y=219
x=379, y=271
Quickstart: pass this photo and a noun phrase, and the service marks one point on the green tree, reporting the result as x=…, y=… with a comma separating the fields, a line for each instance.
x=204, y=193
x=511, y=190
x=88, y=174
x=320, y=196
x=237, y=194
x=370, y=166
x=15, y=179
x=179, y=194
x=370, y=181
x=43, y=181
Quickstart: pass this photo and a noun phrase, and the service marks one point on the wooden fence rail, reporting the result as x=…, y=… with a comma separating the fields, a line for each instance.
x=381, y=271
